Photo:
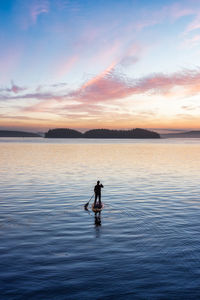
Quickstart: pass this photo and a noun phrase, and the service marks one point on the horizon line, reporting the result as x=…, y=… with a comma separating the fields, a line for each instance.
x=82, y=130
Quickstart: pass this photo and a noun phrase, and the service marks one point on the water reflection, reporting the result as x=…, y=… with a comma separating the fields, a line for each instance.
x=97, y=223
x=97, y=215
x=147, y=238
x=97, y=218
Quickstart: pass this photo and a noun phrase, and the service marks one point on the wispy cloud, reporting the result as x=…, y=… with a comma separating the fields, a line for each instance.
x=16, y=88
x=29, y=11
x=195, y=24
x=66, y=66
x=109, y=87
x=192, y=41
x=13, y=88
x=178, y=10
x=9, y=60
x=113, y=85
x=171, y=12
x=37, y=8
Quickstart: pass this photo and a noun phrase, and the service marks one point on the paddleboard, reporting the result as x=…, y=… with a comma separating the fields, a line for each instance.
x=97, y=209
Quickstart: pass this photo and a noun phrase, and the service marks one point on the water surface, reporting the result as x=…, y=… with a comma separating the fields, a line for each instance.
x=147, y=246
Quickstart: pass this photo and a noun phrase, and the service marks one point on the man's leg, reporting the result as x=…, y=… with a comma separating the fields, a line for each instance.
x=95, y=200
x=99, y=200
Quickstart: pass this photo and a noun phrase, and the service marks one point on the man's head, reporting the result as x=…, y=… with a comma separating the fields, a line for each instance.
x=98, y=182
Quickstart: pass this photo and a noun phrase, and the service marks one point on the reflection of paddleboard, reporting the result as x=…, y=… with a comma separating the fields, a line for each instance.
x=97, y=209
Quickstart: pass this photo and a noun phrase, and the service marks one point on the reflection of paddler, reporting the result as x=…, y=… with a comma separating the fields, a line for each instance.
x=97, y=219
x=97, y=191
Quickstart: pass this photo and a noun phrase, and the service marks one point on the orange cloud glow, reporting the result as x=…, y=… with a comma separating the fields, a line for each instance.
x=110, y=85
x=100, y=100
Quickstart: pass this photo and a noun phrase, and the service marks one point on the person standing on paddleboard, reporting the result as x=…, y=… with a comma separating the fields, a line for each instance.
x=97, y=191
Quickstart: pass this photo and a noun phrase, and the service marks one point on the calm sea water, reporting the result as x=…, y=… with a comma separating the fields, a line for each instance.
x=148, y=243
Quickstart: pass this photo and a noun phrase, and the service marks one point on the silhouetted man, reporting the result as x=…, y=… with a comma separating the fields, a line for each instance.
x=97, y=191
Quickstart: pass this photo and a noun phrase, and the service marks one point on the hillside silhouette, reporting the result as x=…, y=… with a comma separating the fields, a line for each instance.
x=11, y=133
x=63, y=133
x=186, y=134
x=102, y=134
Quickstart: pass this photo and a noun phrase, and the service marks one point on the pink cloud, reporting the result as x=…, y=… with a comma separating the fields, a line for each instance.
x=107, y=52
x=38, y=7
x=178, y=10
x=100, y=76
x=14, y=88
x=102, y=89
x=29, y=11
x=112, y=85
x=66, y=66
x=131, y=55
x=192, y=41
x=9, y=61
x=42, y=106
x=171, y=12
x=194, y=25
x=109, y=86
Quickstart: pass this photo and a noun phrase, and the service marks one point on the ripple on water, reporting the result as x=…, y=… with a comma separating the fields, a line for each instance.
x=147, y=246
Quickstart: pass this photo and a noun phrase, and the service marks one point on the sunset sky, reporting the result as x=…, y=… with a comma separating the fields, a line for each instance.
x=99, y=64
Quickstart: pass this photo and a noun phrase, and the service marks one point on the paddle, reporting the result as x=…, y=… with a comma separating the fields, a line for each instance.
x=86, y=205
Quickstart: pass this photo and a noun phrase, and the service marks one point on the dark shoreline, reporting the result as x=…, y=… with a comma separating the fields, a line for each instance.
x=98, y=134
x=16, y=133
x=102, y=134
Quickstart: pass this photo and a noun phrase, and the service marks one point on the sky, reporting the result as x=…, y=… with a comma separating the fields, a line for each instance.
x=83, y=64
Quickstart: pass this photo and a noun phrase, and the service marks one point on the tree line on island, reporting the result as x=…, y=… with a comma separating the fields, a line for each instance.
x=15, y=133
x=99, y=133
x=102, y=134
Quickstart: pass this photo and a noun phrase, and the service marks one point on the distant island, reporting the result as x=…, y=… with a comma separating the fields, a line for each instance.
x=11, y=133
x=186, y=134
x=137, y=133
x=102, y=134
